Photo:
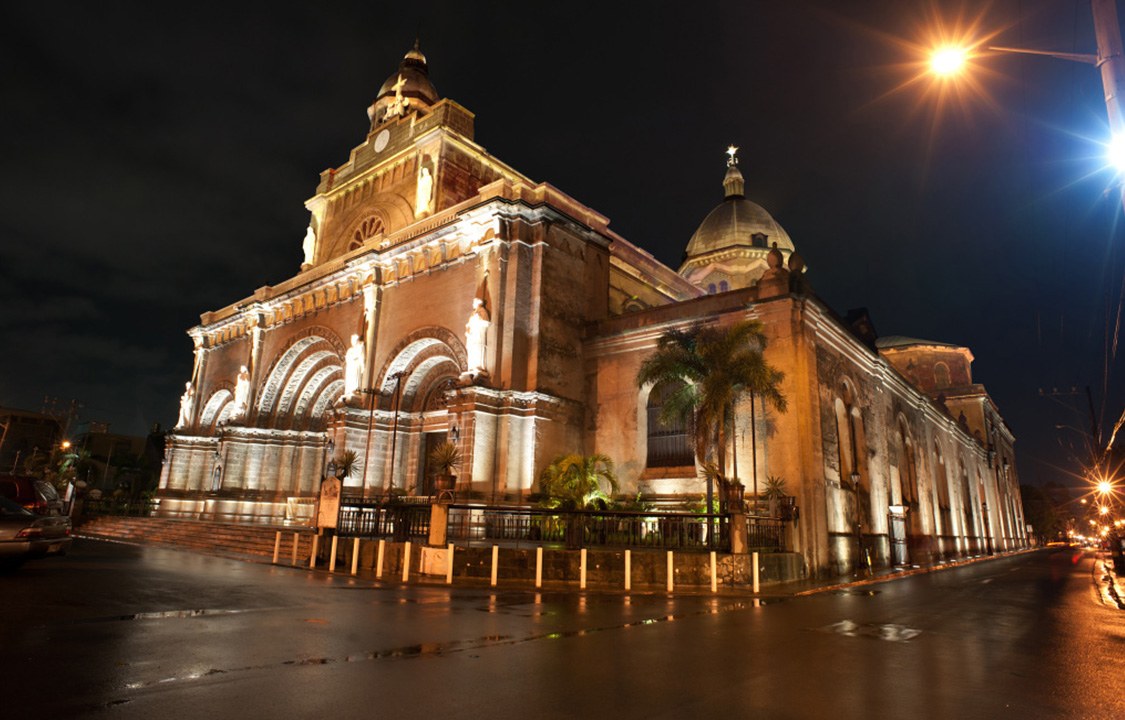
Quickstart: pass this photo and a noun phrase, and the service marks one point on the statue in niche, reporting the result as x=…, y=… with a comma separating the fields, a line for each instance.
x=309, y=245
x=353, y=367
x=186, y=401
x=241, y=393
x=476, y=331
x=424, y=195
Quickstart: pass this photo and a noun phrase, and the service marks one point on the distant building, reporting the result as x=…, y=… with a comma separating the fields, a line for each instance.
x=22, y=433
x=104, y=447
x=495, y=312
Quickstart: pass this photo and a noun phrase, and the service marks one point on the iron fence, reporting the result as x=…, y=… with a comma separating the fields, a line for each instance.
x=589, y=528
x=398, y=521
x=765, y=534
x=118, y=507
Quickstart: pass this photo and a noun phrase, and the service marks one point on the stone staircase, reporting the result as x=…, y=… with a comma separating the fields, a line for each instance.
x=198, y=536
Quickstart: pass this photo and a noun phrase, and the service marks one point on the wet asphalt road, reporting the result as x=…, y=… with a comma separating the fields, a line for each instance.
x=118, y=631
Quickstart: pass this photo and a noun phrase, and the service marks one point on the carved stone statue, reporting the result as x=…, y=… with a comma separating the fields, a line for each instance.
x=186, y=401
x=309, y=245
x=399, y=105
x=424, y=195
x=241, y=393
x=353, y=366
x=476, y=331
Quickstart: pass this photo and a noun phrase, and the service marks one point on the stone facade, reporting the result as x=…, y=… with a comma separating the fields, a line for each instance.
x=501, y=315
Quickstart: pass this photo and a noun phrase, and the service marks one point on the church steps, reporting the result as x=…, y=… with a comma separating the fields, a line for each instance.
x=196, y=535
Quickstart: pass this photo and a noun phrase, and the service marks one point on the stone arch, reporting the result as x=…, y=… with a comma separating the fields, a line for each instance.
x=217, y=409
x=416, y=348
x=389, y=210
x=907, y=466
x=305, y=370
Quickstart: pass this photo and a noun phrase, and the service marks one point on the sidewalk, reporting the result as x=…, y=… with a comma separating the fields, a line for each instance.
x=795, y=588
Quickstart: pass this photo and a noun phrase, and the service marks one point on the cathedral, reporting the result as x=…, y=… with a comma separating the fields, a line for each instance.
x=445, y=297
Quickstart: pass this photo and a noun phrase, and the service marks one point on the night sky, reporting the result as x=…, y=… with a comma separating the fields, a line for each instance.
x=155, y=164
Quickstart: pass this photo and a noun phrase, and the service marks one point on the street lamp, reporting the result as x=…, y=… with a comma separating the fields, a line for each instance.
x=948, y=60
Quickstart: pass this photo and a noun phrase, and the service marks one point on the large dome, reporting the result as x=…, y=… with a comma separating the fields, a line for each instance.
x=729, y=249
x=736, y=222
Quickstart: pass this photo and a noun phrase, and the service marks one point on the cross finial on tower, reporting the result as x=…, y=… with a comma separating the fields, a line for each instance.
x=731, y=159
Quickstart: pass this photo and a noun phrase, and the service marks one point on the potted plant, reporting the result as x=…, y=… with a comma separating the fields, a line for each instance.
x=775, y=493
x=443, y=460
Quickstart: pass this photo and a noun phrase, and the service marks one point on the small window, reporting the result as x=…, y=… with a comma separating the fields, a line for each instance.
x=759, y=240
x=941, y=375
x=711, y=288
x=723, y=287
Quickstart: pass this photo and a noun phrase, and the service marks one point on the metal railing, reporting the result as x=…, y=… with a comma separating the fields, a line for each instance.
x=117, y=507
x=589, y=528
x=395, y=520
x=765, y=534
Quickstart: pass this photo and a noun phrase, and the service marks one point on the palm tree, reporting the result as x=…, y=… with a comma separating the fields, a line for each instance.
x=710, y=367
x=574, y=482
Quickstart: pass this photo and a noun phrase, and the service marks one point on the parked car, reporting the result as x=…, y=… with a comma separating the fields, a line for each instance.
x=38, y=496
x=25, y=535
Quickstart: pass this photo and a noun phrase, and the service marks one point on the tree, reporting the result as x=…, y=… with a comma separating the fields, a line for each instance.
x=575, y=482
x=710, y=368
x=1040, y=511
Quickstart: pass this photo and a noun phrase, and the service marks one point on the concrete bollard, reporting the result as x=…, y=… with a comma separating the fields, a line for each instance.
x=276, y=546
x=449, y=565
x=671, y=583
x=355, y=556
x=296, y=542
x=495, y=562
x=628, y=569
x=582, y=571
x=539, y=566
x=714, y=574
x=406, y=562
x=332, y=559
x=312, y=554
x=379, y=560
x=754, y=571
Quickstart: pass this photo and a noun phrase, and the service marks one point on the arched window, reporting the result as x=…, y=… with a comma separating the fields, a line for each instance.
x=669, y=444
x=723, y=287
x=711, y=288
x=907, y=473
x=941, y=376
x=941, y=478
x=759, y=240
x=844, y=443
x=368, y=229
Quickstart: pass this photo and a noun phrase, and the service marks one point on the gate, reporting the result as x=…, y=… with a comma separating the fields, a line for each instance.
x=898, y=539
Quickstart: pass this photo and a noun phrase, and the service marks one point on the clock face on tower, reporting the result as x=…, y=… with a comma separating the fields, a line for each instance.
x=382, y=139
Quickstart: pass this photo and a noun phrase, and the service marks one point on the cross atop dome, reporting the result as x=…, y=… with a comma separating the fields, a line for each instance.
x=731, y=159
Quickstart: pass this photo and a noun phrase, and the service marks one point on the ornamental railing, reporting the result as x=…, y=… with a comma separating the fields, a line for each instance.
x=588, y=528
x=117, y=507
x=765, y=534
x=395, y=520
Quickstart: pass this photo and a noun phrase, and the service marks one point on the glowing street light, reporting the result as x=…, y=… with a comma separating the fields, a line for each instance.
x=1103, y=510
x=1115, y=152
x=948, y=60
x=1104, y=487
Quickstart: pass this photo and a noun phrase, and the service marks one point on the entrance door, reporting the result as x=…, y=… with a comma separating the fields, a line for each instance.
x=425, y=482
x=898, y=539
